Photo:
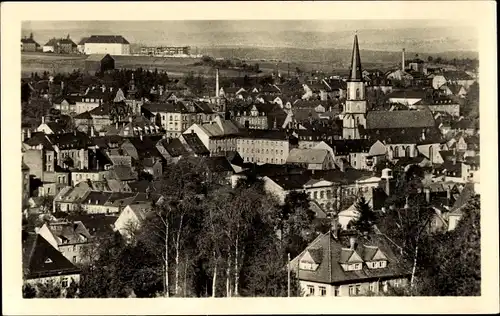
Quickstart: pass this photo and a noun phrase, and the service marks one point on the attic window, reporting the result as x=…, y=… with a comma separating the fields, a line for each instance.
x=48, y=260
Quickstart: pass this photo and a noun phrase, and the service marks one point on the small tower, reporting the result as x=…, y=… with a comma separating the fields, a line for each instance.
x=132, y=97
x=355, y=107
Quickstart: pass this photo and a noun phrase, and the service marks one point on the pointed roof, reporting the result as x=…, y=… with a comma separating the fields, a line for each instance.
x=40, y=259
x=355, y=74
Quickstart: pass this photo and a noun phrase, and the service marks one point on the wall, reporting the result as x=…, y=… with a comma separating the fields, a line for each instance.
x=81, y=107
x=33, y=159
x=343, y=290
x=263, y=150
x=452, y=109
x=396, y=151
x=107, y=48
x=58, y=280
x=77, y=177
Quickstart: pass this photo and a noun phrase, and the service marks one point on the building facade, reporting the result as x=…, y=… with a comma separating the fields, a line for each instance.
x=107, y=44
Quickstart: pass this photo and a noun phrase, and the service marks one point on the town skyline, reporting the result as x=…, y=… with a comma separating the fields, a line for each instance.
x=432, y=36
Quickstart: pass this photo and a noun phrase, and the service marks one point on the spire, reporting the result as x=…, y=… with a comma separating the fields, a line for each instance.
x=355, y=73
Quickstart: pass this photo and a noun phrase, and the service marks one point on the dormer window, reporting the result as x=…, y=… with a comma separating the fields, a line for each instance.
x=311, y=260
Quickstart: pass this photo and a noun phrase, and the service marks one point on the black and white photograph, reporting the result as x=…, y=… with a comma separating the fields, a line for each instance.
x=241, y=158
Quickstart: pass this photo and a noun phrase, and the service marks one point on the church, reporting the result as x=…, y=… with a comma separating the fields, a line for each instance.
x=402, y=131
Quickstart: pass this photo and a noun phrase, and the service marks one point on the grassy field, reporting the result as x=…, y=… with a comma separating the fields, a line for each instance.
x=175, y=67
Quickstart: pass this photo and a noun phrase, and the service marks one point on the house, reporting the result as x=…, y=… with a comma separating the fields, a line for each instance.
x=70, y=238
x=440, y=105
x=453, y=77
x=342, y=264
x=218, y=169
x=454, y=90
x=312, y=159
x=99, y=63
x=457, y=209
x=100, y=226
x=406, y=97
x=131, y=218
x=28, y=44
x=254, y=116
x=42, y=263
x=153, y=166
x=60, y=46
x=106, y=44
x=218, y=136
x=264, y=146
x=51, y=127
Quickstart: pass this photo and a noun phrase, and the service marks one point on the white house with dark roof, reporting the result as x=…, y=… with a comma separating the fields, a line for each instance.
x=341, y=264
x=43, y=263
x=106, y=44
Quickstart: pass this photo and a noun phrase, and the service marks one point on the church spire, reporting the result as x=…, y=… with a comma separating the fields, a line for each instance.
x=355, y=73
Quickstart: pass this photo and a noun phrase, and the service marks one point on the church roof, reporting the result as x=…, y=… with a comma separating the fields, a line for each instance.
x=399, y=119
x=355, y=74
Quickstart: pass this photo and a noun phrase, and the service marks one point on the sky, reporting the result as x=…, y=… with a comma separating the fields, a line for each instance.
x=378, y=34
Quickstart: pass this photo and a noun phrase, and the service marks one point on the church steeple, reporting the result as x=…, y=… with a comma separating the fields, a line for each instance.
x=131, y=90
x=355, y=74
x=355, y=105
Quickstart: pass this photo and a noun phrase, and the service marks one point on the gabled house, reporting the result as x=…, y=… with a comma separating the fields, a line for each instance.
x=312, y=159
x=343, y=264
x=70, y=238
x=131, y=218
x=42, y=263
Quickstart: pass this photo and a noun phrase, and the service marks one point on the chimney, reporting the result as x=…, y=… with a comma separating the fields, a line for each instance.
x=352, y=242
x=217, y=82
x=403, y=60
x=427, y=195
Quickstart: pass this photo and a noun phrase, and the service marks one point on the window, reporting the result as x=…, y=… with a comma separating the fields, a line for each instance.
x=322, y=291
x=385, y=286
x=310, y=290
x=358, y=289
x=64, y=282
x=352, y=290
x=372, y=287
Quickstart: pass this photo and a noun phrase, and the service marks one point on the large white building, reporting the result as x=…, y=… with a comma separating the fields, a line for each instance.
x=106, y=44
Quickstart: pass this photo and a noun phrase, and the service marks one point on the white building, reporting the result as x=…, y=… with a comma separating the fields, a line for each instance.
x=106, y=44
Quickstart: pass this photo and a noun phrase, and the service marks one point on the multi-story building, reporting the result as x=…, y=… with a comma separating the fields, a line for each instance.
x=343, y=264
x=69, y=238
x=42, y=263
x=106, y=44
x=60, y=46
x=218, y=136
x=165, y=51
x=28, y=44
x=264, y=146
